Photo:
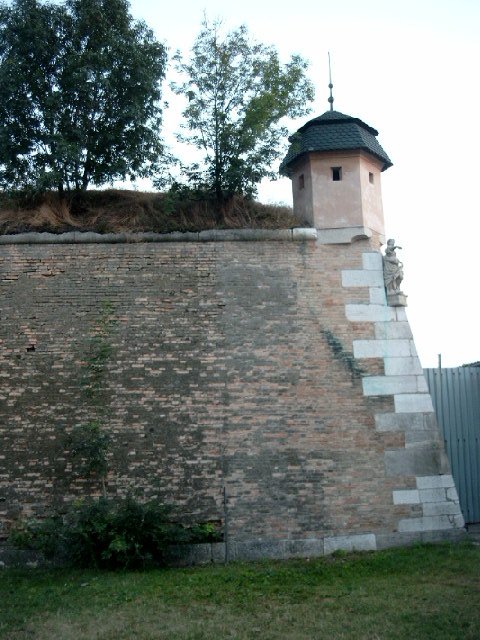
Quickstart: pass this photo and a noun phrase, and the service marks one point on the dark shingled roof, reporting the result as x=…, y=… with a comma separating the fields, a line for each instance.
x=333, y=131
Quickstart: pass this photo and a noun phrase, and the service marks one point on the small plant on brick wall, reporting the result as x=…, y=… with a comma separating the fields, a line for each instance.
x=89, y=445
x=99, y=352
x=339, y=353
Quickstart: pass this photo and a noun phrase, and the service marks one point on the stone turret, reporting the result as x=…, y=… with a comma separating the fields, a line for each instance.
x=335, y=163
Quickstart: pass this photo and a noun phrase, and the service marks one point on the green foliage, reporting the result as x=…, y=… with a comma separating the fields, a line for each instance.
x=238, y=94
x=99, y=352
x=340, y=354
x=204, y=532
x=89, y=445
x=179, y=195
x=110, y=534
x=97, y=359
x=79, y=94
x=40, y=535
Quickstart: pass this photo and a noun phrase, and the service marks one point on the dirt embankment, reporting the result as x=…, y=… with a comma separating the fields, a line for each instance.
x=112, y=211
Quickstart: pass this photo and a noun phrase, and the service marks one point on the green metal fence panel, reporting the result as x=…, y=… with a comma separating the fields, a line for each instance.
x=456, y=398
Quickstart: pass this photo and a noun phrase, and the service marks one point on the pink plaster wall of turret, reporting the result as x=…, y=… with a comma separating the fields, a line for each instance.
x=353, y=201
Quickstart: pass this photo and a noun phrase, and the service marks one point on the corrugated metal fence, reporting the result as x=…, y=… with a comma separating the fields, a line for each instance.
x=456, y=398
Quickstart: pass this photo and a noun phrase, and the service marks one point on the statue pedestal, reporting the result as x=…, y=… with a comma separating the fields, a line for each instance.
x=397, y=299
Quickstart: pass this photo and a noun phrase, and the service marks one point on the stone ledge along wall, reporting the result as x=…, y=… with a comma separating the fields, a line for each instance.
x=271, y=370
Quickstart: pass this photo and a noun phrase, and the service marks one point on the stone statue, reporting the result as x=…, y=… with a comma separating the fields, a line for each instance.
x=392, y=269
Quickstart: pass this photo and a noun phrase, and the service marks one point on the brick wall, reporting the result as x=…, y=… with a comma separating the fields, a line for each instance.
x=224, y=371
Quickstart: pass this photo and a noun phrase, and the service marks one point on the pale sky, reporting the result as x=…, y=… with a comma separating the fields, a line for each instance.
x=410, y=70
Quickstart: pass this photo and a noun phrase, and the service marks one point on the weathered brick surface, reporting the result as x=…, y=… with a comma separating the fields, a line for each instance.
x=219, y=377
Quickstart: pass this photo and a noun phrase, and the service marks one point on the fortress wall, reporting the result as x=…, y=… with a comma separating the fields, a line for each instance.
x=231, y=367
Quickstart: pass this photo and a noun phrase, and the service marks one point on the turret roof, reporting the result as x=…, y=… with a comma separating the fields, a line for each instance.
x=333, y=131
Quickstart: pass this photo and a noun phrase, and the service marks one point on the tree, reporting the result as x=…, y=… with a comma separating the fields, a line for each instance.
x=238, y=93
x=79, y=94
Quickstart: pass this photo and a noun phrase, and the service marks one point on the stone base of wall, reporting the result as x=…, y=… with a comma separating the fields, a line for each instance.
x=254, y=550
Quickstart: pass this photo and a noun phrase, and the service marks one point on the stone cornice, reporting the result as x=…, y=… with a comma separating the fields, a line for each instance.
x=297, y=234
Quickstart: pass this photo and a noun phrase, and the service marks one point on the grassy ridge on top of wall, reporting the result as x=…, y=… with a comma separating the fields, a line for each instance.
x=116, y=211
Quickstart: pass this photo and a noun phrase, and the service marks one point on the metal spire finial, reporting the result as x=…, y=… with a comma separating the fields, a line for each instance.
x=330, y=86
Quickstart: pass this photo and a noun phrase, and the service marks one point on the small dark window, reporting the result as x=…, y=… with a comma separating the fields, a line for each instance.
x=301, y=182
x=370, y=177
x=336, y=174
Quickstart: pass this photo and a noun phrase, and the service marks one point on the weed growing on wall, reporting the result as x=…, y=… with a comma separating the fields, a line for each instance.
x=339, y=353
x=89, y=443
x=99, y=351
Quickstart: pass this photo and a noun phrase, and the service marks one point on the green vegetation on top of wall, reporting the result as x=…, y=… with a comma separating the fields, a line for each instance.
x=116, y=211
x=81, y=104
x=238, y=95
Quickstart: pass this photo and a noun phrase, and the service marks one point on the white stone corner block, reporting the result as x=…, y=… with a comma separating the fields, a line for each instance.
x=427, y=523
x=447, y=481
x=378, y=295
x=406, y=496
x=413, y=403
x=408, y=366
x=422, y=386
x=388, y=385
x=361, y=278
x=452, y=494
x=369, y=313
x=433, y=495
x=435, y=482
x=458, y=521
x=381, y=348
x=373, y=261
x=393, y=331
x=441, y=509
x=401, y=314
x=358, y=542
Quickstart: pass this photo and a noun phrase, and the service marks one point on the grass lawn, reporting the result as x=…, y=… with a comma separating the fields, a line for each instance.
x=415, y=593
